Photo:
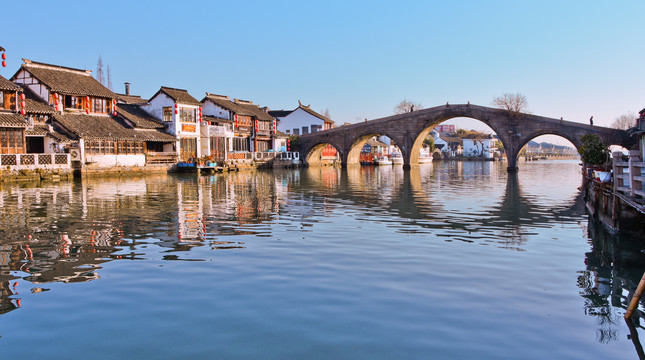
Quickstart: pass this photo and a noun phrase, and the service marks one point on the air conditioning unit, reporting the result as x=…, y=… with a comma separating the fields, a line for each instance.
x=75, y=154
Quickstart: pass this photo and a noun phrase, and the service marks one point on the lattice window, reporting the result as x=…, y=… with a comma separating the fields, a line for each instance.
x=60, y=159
x=27, y=159
x=44, y=159
x=9, y=159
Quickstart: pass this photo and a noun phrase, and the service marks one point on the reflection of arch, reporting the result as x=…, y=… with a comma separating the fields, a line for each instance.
x=410, y=200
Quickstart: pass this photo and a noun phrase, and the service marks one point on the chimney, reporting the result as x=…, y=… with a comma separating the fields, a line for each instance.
x=127, y=88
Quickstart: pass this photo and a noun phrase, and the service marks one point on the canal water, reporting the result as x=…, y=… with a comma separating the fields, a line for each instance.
x=453, y=260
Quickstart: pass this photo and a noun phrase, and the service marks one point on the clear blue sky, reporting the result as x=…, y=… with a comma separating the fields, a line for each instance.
x=356, y=58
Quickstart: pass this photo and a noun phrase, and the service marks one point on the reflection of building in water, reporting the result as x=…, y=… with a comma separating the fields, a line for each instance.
x=614, y=269
x=62, y=232
x=190, y=211
x=245, y=197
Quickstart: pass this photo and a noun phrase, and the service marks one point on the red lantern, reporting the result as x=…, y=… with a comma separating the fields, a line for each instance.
x=4, y=56
x=22, y=104
x=56, y=96
x=87, y=111
x=4, y=63
x=22, y=96
x=56, y=102
x=288, y=145
x=22, y=111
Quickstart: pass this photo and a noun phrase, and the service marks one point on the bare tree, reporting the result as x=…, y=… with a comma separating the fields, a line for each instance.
x=624, y=121
x=99, y=71
x=513, y=103
x=406, y=106
x=326, y=114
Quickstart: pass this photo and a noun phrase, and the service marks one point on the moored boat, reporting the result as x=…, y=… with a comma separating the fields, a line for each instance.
x=383, y=160
x=397, y=159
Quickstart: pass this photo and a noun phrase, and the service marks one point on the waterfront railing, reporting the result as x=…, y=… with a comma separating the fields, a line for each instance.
x=629, y=174
x=35, y=161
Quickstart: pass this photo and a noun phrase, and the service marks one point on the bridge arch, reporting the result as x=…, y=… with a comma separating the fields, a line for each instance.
x=313, y=154
x=418, y=141
x=358, y=141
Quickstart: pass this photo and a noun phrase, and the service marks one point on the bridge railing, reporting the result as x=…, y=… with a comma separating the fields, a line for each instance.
x=629, y=175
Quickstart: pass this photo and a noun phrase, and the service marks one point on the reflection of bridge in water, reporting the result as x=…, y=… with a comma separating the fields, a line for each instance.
x=100, y=221
x=410, y=129
x=408, y=199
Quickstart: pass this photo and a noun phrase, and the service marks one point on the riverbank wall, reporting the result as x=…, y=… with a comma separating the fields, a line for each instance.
x=615, y=211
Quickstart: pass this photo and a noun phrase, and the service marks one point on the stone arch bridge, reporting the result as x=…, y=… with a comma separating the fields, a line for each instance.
x=410, y=129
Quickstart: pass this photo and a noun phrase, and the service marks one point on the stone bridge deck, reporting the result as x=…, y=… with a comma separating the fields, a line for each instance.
x=410, y=129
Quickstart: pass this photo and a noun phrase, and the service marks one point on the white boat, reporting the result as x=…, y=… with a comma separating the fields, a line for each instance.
x=424, y=156
x=383, y=160
x=397, y=159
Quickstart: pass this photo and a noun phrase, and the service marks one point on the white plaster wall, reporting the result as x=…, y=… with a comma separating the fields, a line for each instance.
x=108, y=160
x=155, y=108
x=280, y=144
x=489, y=148
x=51, y=145
x=210, y=109
x=180, y=132
x=297, y=120
x=23, y=77
x=471, y=148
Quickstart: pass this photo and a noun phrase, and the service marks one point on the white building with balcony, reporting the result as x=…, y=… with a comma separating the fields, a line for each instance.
x=181, y=115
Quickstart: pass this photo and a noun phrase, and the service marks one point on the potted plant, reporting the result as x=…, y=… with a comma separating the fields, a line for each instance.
x=594, y=154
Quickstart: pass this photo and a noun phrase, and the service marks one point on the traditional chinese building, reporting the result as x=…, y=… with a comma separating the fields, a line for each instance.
x=181, y=115
x=84, y=122
x=253, y=127
x=12, y=122
x=304, y=120
x=301, y=120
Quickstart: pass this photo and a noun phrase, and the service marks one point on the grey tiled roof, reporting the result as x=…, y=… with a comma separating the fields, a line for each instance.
x=43, y=130
x=138, y=117
x=280, y=113
x=12, y=120
x=131, y=99
x=321, y=117
x=8, y=85
x=179, y=95
x=66, y=80
x=35, y=105
x=238, y=107
x=107, y=128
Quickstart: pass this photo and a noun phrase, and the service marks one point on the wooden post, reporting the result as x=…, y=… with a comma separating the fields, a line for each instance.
x=636, y=298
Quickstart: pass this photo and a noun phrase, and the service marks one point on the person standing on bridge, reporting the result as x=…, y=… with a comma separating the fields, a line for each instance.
x=591, y=121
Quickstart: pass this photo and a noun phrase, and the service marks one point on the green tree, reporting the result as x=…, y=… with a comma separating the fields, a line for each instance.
x=294, y=143
x=593, y=150
x=429, y=142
